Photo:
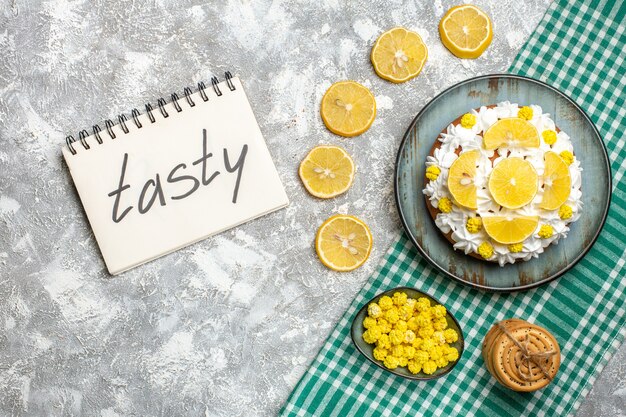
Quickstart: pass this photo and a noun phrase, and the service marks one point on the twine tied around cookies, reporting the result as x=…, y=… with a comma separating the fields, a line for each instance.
x=529, y=356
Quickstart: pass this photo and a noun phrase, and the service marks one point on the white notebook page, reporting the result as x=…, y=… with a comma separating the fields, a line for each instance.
x=185, y=177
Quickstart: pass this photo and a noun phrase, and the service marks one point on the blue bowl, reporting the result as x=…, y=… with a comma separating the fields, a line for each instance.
x=357, y=330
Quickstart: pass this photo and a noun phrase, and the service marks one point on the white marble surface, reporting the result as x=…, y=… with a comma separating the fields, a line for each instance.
x=225, y=327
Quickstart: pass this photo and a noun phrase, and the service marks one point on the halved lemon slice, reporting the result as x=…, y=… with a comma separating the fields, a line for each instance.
x=461, y=179
x=327, y=171
x=513, y=183
x=343, y=242
x=466, y=31
x=348, y=108
x=511, y=132
x=509, y=230
x=399, y=55
x=557, y=182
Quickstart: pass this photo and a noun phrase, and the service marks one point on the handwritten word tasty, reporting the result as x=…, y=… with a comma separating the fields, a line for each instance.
x=153, y=188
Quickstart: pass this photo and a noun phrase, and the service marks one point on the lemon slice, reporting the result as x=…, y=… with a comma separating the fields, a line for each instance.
x=466, y=31
x=508, y=230
x=511, y=132
x=399, y=55
x=557, y=182
x=461, y=179
x=513, y=183
x=348, y=108
x=327, y=171
x=343, y=242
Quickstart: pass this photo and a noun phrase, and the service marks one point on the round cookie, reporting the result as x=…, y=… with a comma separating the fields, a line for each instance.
x=504, y=359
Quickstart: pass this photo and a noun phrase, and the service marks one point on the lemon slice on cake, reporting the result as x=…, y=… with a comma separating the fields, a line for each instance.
x=511, y=132
x=461, y=179
x=327, y=171
x=557, y=182
x=513, y=183
x=348, y=108
x=510, y=230
x=343, y=242
x=399, y=55
x=466, y=31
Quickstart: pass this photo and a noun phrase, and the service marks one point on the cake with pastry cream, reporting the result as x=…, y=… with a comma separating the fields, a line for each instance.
x=503, y=183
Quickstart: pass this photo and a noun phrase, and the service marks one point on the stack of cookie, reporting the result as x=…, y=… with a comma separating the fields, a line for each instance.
x=520, y=355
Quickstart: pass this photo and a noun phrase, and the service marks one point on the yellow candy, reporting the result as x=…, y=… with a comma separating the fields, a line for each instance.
x=401, y=326
x=372, y=335
x=432, y=172
x=392, y=324
x=445, y=205
x=391, y=362
x=422, y=304
x=442, y=362
x=549, y=137
x=384, y=325
x=392, y=316
x=409, y=352
x=429, y=367
x=405, y=312
x=452, y=354
x=565, y=212
x=414, y=367
x=397, y=351
x=423, y=320
x=485, y=250
x=451, y=335
x=417, y=343
x=545, y=231
x=440, y=324
x=374, y=310
x=439, y=338
x=427, y=345
x=399, y=298
x=425, y=332
x=421, y=356
x=516, y=247
x=368, y=337
x=380, y=353
x=435, y=353
x=369, y=322
x=474, y=224
x=468, y=120
x=438, y=311
x=396, y=337
x=383, y=342
x=525, y=113
x=385, y=302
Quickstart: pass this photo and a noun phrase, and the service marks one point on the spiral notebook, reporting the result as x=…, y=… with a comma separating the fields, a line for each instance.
x=174, y=174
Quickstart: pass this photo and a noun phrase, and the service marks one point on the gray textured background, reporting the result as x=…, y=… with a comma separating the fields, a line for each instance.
x=225, y=327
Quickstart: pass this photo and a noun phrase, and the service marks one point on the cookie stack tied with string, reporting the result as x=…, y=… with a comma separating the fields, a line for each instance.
x=521, y=356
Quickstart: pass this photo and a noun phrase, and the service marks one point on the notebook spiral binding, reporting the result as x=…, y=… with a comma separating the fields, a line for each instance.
x=122, y=120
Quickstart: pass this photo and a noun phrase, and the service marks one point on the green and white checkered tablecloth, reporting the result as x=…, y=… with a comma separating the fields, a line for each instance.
x=579, y=48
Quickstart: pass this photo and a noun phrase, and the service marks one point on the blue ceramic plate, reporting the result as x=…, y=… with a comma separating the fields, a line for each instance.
x=356, y=332
x=409, y=182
